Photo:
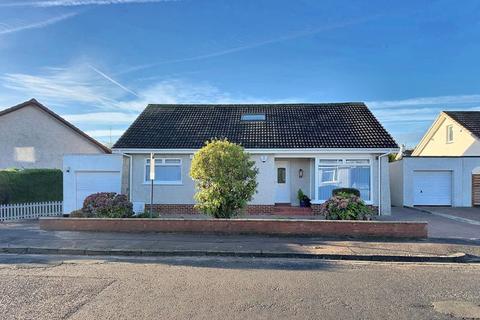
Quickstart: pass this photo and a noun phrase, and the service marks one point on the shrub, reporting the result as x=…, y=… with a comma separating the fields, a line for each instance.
x=30, y=185
x=225, y=178
x=346, y=190
x=107, y=205
x=304, y=200
x=345, y=206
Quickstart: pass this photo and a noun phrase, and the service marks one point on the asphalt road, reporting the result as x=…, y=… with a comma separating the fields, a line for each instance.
x=55, y=287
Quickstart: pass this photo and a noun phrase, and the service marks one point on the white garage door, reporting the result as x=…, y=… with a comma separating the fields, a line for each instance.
x=432, y=188
x=88, y=182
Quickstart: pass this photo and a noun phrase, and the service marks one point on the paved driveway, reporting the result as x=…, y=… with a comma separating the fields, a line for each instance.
x=438, y=226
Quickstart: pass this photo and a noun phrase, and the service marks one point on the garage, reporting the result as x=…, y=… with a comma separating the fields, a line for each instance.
x=91, y=182
x=85, y=174
x=432, y=188
x=435, y=181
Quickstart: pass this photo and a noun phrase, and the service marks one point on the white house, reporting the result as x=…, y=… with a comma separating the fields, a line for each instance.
x=313, y=147
x=444, y=169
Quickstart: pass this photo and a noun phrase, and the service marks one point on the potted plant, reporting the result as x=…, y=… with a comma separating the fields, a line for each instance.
x=303, y=199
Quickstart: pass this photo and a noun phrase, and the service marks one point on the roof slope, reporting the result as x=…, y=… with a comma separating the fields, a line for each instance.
x=470, y=120
x=331, y=125
x=57, y=117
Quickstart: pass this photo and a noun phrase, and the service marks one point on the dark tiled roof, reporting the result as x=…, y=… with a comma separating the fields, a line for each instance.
x=33, y=102
x=331, y=125
x=470, y=120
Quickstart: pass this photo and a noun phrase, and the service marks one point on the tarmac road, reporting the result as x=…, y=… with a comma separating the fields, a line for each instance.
x=67, y=287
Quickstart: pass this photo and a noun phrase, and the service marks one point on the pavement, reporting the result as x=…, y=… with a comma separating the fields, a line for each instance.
x=68, y=287
x=27, y=237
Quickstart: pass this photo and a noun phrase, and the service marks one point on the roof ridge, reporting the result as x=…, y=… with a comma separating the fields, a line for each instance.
x=256, y=104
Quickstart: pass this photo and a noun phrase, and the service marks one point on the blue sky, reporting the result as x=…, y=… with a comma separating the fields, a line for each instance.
x=98, y=63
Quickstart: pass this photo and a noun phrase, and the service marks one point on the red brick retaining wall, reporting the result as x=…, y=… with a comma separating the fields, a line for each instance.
x=243, y=226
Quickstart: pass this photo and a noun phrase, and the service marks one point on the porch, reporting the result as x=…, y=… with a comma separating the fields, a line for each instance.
x=318, y=176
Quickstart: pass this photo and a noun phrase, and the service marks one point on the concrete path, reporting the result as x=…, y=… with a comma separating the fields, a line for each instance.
x=21, y=236
x=438, y=226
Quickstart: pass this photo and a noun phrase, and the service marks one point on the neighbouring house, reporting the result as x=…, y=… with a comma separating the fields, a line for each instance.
x=313, y=147
x=33, y=136
x=444, y=168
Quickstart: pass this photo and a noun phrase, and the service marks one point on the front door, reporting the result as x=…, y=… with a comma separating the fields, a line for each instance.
x=282, y=182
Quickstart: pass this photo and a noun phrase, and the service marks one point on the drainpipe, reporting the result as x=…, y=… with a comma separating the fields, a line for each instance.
x=380, y=181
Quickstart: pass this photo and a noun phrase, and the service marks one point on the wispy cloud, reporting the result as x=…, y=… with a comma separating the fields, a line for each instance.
x=8, y=28
x=84, y=87
x=290, y=36
x=105, y=133
x=118, y=84
x=102, y=118
x=425, y=101
x=75, y=3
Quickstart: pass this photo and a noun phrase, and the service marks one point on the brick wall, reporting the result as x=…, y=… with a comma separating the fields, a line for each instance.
x=381, y=229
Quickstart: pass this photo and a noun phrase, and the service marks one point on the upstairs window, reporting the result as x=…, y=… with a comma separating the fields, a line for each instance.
x=449, y=134
x=253, y=117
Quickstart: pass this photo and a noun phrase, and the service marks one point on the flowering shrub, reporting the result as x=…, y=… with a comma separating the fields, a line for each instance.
x=107, y=205
x=345, y=206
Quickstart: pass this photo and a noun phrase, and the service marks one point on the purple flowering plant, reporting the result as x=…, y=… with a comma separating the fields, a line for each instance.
x=345, y=206
x=107, y=205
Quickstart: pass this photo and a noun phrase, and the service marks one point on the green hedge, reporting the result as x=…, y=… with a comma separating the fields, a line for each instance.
x=30, y=185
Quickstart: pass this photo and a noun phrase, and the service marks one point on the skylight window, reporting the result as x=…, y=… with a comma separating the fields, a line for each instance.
x=253, y=117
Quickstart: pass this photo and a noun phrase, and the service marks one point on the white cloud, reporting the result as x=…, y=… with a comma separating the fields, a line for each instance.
x=105, y=133
x=423, y=101
x=75, y=3
x=77, y=84
x=101, y=118
x=8, y=28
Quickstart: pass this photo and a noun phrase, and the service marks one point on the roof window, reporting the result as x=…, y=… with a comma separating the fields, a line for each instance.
x=253, y=117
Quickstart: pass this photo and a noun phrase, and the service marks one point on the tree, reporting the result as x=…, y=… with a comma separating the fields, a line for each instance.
x=225, y=178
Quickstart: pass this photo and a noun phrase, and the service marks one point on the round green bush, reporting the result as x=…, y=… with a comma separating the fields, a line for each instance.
x=345, y=206
x=225, y=178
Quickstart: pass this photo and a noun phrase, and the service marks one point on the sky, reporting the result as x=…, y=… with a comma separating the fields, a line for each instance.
x=98, y=63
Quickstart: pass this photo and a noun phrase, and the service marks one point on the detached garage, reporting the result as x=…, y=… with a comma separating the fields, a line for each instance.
x=435, y=181
x=84, y=175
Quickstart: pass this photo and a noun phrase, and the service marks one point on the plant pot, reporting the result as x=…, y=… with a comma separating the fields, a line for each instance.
x=302, y=203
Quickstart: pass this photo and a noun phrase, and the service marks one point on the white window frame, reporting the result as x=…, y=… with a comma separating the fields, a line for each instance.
x=161, y=162
x=336, y=162
x=450, y=135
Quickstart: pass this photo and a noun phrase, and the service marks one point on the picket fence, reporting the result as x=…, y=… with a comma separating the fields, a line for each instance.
x=30, y=210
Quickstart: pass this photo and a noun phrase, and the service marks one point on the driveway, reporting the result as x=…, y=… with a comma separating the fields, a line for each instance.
x=441, y=226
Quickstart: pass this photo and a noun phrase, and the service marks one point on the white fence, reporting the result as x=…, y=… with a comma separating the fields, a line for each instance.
x=30, y=210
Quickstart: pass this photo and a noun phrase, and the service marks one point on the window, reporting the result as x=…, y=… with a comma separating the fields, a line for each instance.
x=449, y=134
x=281, y=175
x=253, y=117
x=167, y=171
x=348, y=173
